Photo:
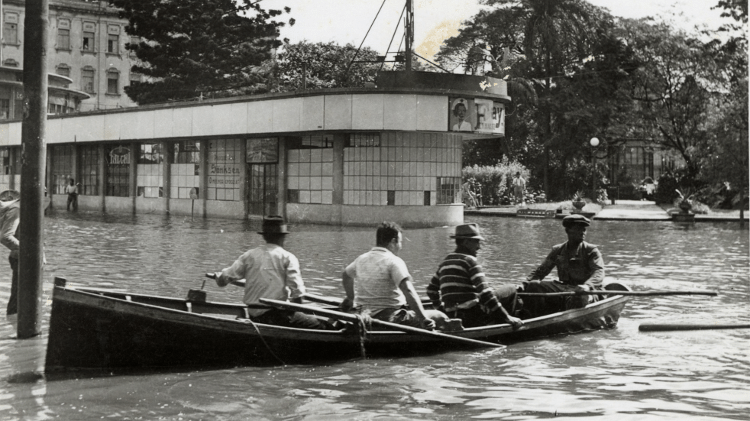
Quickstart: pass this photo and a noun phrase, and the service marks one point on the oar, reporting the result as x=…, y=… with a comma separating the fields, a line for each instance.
x=333, y=301
x=239, y=283
x=657, y=327
x=352, y=318
x=608, y=292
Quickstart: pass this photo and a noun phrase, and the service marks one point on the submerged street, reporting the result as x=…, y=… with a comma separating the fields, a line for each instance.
x=618, y=374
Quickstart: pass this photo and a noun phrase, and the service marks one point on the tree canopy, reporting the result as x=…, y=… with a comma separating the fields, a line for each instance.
x=189, y=48
x=327, y=65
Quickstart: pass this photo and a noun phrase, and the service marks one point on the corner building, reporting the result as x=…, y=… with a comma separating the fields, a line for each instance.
x=340, y=157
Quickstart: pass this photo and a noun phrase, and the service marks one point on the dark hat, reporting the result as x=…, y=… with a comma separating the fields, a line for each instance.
x=571, y=220
x=468, y=231
x=273, y=224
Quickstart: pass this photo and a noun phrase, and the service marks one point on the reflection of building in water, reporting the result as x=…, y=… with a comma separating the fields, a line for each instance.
x=342, y=156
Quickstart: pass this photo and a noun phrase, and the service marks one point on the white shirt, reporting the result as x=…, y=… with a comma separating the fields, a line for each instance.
x=377, y=275
x=269, y=272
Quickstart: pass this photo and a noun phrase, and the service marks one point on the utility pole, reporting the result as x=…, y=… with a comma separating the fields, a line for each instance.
x=409, y=36
x=33, y=159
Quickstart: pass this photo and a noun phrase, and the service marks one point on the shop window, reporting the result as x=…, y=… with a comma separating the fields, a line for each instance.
x=118, y=170
x=88, y=157
x=113, y=82
x=310, y=168
x=184, y=169
x=4, y=108
x=225, y=166
x=10, y=29
x=62, y=169
x=449, y=189
x=150, y=170
x=5, y=175
x=363, y=140
x=87, y=79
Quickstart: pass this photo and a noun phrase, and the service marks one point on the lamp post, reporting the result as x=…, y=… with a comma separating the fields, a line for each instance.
x=594, y=143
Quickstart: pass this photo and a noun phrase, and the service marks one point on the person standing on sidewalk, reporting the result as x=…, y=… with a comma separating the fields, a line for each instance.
x=519, y=188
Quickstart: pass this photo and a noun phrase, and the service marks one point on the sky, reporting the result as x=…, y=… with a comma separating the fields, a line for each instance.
x=347, y=21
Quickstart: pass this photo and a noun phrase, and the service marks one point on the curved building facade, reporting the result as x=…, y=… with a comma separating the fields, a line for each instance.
x=342, y=156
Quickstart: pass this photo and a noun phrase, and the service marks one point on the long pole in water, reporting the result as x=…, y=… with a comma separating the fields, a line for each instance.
x=33, y=158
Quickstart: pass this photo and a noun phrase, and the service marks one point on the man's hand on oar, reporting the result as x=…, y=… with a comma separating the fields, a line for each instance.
x=216, y=275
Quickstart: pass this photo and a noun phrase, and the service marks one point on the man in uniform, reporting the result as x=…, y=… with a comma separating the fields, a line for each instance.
x=580, y=268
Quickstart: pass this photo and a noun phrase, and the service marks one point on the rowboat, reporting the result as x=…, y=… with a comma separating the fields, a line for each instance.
x=103, y=329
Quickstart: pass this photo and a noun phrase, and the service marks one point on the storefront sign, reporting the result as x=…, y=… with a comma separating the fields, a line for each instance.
x=224, y=175
x=490, y=116
x=119, y=156
x=264, y=150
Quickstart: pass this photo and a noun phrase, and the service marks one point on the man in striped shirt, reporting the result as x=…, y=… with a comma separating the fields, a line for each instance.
x=460, y=289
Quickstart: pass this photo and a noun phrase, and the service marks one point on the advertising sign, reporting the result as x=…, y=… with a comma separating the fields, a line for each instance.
x=490, y=117
x=462, y=116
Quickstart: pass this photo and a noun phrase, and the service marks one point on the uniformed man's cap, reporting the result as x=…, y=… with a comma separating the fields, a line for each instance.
x=571, y=220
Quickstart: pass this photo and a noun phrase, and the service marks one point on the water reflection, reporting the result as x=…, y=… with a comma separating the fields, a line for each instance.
x=612, y=374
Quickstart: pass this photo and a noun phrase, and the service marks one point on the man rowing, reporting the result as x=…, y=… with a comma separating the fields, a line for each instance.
x=580, y=267
x=459, y=286
x=379, y=284
x=272, y=272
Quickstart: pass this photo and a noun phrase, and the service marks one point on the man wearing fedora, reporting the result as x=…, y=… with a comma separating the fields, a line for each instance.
x=459, y=286
x=379, y=284
x=272, y=272
x=580, y=267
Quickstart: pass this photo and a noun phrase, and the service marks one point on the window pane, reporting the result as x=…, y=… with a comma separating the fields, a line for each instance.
x=63, y=39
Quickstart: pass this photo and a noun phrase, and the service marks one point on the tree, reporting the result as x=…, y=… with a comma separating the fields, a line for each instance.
x=678, y=87
x=563, y=53
x=189, y=48
x=327, y=65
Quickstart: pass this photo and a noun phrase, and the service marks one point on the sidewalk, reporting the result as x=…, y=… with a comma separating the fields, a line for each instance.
x=622, y=210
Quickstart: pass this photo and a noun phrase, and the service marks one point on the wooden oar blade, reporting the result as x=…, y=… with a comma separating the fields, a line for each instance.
x=667, y=327
x=353, y=318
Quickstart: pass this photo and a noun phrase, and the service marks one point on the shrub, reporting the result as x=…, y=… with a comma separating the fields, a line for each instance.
x=492, y=183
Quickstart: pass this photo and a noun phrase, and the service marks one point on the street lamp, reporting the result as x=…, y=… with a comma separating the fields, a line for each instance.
x=594, y=143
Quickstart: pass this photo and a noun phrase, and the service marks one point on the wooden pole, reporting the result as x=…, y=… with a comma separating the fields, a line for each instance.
x=33, y=158
x=660, y=327
x=597, y=292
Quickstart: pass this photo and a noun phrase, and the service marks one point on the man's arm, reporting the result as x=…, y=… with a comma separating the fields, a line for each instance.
x=596, y=267
x=9, y=226
x=294, y=279
x=415, y=304
x=545, y=268
x=433, y=291
x=232, y=274
x=348, y=283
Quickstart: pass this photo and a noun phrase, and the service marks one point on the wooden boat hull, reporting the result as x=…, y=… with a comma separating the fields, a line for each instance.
x=100, y=329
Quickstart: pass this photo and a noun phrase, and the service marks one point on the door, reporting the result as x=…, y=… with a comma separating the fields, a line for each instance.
x=262, y=189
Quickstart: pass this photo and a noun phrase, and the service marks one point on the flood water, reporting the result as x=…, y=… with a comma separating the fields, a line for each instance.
x=617, y=374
